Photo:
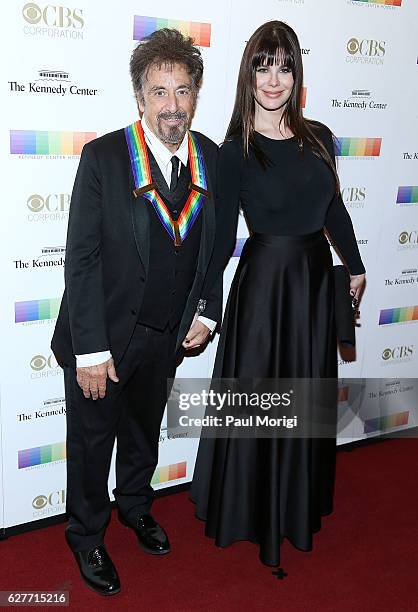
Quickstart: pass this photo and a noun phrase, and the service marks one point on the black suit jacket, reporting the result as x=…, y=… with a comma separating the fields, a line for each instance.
x=107, y=253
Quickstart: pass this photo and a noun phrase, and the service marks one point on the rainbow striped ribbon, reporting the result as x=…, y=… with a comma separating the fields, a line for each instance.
x=145, y=186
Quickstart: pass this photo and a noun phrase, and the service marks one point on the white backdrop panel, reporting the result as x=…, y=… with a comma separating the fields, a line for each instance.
x=360, y=62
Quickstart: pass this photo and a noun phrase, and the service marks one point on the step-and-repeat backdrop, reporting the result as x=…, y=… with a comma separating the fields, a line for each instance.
x=65, y=80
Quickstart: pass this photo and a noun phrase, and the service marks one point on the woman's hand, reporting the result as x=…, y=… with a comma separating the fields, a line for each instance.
x=357, y=285
x=196, y=336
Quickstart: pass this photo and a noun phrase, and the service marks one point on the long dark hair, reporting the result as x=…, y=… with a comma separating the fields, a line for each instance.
x=273, y=41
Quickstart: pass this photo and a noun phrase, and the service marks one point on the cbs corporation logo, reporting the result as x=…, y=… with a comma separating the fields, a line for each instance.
x=52, y=21
x=398, y=354
x=55, y=16
x=372, y=48
x=44, y=367
x=408, y=240
x=39, y=362
x=366, y=51
x=52, y=203
x=53, y=207
x=51, y=503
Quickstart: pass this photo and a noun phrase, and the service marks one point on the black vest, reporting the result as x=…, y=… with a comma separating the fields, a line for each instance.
x=171, y=269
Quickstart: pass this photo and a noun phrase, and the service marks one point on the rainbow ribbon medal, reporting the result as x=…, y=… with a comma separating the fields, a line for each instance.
x=145, y=186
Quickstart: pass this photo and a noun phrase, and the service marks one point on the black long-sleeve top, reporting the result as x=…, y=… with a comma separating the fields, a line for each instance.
x=294, y=195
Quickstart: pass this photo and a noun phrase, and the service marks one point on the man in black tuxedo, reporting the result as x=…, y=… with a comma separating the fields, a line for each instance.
x=132, y=303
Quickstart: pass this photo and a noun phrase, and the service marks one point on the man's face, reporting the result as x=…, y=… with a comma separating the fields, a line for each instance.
x=168, y=103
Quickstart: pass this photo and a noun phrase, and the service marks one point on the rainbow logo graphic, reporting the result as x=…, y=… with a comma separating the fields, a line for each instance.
x=303, y=94
x=37, y=310
x=386, y=2
x=407, y=195
x=398, y=315
x=41, y=454
x=358, y=147
x=200, y=32
x=386, y=422
x=32, y=142
x=169, y=472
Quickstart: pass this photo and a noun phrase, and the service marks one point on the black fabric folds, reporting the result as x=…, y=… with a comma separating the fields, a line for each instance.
x=279, y=323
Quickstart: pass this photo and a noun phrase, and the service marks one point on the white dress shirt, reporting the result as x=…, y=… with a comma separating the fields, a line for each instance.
x=163, y=158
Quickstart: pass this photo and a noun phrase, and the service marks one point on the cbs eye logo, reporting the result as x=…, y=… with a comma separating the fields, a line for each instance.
x=35, y=203
x=38, y=363
x=387, y=354
x=32, y=13
x=40, y=502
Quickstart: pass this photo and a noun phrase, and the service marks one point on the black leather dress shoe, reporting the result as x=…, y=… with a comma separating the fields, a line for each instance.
x=98, y=571
x=151, y=536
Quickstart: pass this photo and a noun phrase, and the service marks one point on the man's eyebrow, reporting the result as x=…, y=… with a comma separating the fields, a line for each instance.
x=161, y=87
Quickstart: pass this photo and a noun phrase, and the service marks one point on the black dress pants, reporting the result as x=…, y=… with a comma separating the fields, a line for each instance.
x=131, y=412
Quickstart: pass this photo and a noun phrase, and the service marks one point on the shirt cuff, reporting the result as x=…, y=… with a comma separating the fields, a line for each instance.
x=208, y=322
x=92, y=359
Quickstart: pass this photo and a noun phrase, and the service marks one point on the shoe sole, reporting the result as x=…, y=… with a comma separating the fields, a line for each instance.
x=99, y=592
x=152, y=552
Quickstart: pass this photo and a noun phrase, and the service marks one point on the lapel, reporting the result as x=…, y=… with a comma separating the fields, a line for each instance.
x=208, y=227
x=141, y=226
x=206, y=246
x=140, y=222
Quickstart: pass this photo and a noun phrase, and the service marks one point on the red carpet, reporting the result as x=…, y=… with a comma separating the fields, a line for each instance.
x=365, y=556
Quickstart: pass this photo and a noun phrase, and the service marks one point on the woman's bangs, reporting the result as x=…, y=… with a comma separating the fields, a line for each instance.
x=270, y=53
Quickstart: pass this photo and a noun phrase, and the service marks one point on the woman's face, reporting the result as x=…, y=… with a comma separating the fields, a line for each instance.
x=274, y=86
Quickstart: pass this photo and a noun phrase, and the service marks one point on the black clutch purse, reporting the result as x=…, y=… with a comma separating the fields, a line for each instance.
x=345, y=307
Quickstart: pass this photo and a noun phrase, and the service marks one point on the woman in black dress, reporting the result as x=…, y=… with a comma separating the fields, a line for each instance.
x=279, y=318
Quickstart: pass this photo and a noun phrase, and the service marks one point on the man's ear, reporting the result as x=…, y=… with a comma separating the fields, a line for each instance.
x=140, y=104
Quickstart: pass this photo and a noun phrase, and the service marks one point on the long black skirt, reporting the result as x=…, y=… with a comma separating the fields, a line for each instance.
x=278, y=323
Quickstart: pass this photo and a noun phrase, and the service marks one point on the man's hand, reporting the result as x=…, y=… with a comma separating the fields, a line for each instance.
x=92, y=380
x=197, y=335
